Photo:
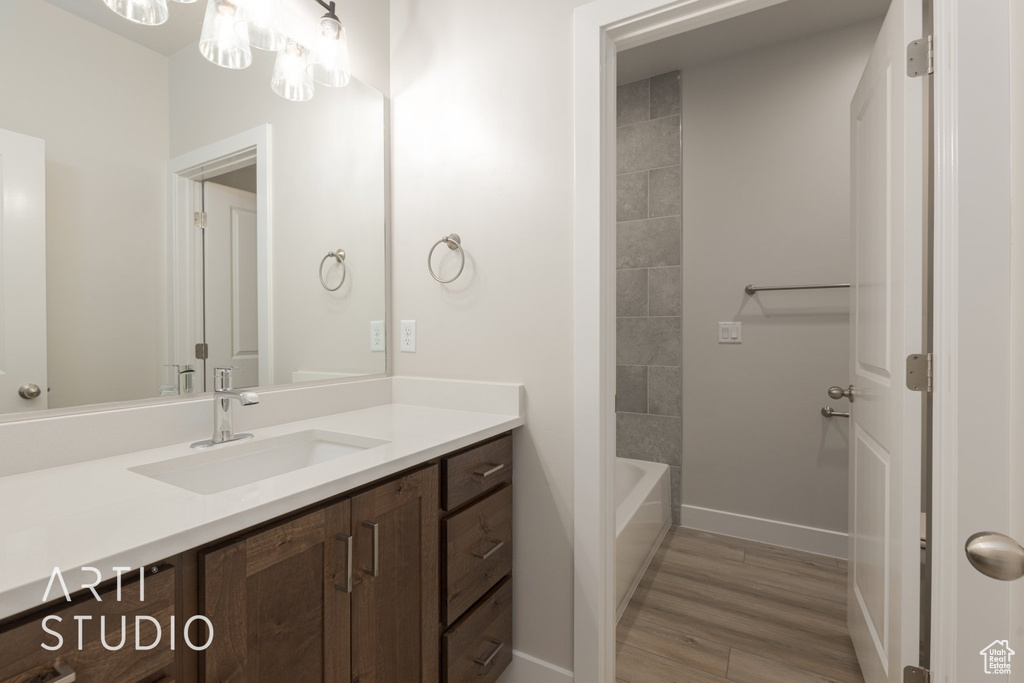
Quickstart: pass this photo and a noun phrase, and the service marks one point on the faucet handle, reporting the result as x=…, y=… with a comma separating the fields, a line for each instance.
x=222, y=378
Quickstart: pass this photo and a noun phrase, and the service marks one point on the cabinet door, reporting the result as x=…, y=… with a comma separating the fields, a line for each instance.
x=278, y=603
x=395, y=602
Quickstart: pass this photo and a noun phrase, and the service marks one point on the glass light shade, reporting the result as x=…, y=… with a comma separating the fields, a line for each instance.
x=220, y=42
x=329, y=64
x=259, y=22
x=148, y=12
x=291, y=77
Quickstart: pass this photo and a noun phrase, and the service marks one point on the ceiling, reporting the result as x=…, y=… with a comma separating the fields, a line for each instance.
x=181, y=30
x=776, y=24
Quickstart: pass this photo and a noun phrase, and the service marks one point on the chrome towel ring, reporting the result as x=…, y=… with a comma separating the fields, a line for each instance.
x=454, y=243
x=338, y=256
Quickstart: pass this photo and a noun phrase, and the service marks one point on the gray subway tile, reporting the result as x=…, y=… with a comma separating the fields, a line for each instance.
x=665, y=391
x=665, y=192
x=632, y=196
x=664, y=291
x=648, y=145
x=631, y=388
x=631, y=292
x=666, y=95
x=649, y=341
x=650, y=243
x=633, y=102
x=649, y=437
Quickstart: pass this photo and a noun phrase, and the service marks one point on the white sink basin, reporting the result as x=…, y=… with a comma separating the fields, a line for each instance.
x=237, y=464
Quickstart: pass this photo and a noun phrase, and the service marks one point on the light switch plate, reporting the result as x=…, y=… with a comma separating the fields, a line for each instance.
x=408, y=336
x=730, y=333
x=376, y=335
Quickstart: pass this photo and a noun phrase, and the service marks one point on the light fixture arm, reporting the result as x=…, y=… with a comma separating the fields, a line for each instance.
x=330, y=7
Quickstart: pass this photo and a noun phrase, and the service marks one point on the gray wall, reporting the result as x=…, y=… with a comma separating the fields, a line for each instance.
x=766, y=201
x=649, y=296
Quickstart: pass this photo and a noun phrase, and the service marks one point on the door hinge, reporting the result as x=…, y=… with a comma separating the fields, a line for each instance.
x=200, y=220
x=914, y=674
x=921, y=57
x=202, y=351
x=920, y=372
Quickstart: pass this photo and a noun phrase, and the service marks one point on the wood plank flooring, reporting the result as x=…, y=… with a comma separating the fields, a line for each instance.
x=712, y=608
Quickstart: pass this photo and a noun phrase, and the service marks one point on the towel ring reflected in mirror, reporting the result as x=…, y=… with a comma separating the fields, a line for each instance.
x=338, y=256
x=454, y=243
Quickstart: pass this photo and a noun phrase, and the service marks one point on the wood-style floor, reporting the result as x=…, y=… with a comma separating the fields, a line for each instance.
x=712, y=608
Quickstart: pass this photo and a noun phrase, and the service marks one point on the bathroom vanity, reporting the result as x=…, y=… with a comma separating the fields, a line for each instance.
x=392, y=563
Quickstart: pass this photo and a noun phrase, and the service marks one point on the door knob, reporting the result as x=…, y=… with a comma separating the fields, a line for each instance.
x=996, y=555
x=838, y=393
x=29, y=391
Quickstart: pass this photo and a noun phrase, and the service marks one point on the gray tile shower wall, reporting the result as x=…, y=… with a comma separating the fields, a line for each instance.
x=649, y=287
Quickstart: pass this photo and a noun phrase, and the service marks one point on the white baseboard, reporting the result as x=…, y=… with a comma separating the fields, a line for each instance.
x=795, y=536
x=527, y=669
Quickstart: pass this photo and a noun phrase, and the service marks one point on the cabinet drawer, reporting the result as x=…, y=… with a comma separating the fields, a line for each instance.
x=477, y=471
x=479, y=647
x=22, y=657
x=478, y=551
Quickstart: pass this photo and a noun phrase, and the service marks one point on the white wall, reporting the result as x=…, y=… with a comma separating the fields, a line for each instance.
x=483, y=146
x=100, y=103
x=766, y=201
x=328, y=193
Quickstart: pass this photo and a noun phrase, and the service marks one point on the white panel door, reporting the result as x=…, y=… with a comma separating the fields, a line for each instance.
x=22, y=271
x=231, y=317
x=885, y=446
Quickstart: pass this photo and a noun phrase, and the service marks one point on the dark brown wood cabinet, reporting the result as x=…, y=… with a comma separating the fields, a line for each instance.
x=24, y=660
x=394, y=602
x=278, y=603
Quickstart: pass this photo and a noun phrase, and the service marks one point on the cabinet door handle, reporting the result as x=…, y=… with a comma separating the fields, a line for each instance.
x=483, y=474
x=498, y=545
x=347, y=586
x=374, y=569
x=486, y=661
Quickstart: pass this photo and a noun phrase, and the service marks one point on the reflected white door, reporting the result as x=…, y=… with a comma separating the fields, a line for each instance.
x=22, y=271
x=231, y=317
x=885, y=441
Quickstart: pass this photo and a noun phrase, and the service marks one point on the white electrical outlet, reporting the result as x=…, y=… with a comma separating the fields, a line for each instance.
x=376, y=335
x=730, y=333
x=408, y=336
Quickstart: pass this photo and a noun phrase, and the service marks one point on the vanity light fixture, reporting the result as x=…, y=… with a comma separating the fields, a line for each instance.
x=329, y=65
x=148, y=12
x=223, y=40
x=231, y=28
x=291, y=76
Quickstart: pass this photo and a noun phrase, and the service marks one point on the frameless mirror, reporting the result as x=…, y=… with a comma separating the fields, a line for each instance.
x=161, y=215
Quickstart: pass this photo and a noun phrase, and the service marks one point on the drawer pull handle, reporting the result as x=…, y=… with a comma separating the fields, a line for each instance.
x=498, y=545
x=483, y=474
x=65, y=674
x=374, y=569
x=486, y=662
x=347, y=586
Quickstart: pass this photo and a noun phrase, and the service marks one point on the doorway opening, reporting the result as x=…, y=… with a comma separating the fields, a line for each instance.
x=220, y=267
x=768, y=185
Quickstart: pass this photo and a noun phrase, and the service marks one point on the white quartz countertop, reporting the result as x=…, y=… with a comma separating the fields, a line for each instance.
x=100, y=514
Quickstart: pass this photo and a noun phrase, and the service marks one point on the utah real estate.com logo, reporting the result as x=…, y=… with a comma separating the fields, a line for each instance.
x=997, y=657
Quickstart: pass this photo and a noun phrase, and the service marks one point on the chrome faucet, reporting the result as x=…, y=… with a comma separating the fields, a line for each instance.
x=223, y=395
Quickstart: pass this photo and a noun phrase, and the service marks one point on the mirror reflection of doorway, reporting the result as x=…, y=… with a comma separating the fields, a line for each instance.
x=230, y=330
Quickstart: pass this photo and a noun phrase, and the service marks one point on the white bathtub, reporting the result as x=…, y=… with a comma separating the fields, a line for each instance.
x=643, y=514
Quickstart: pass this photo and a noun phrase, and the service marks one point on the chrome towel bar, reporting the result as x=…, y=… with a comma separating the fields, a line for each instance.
x=752, y=289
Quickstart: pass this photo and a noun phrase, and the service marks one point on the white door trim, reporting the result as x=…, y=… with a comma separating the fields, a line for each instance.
x=600, y=28
x=220, y=157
